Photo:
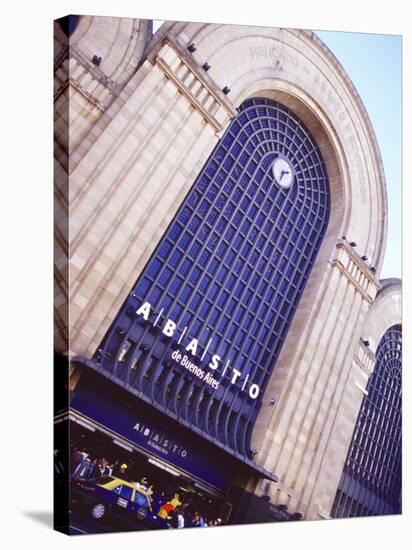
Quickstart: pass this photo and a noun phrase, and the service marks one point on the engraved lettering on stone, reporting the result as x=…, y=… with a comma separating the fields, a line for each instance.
x=358, y=162
x=280, y=54
x=363, y=189
x=277, y=66
x=332, y=100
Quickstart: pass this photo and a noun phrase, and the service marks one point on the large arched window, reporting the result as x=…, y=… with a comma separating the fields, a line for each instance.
x=229, y=273
x=371, y=480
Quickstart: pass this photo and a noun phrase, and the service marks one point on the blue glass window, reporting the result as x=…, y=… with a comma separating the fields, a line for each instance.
x=239, y=239
x=372, y=475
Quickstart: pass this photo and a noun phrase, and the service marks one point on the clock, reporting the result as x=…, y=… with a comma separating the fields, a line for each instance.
x=283, y=172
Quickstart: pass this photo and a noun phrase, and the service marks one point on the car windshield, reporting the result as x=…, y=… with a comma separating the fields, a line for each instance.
x=141, y=500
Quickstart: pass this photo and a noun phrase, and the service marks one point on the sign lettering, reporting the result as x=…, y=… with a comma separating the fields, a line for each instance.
x=192, y=362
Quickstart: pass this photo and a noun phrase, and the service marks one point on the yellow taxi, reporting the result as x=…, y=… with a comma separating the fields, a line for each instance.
x=113, y=500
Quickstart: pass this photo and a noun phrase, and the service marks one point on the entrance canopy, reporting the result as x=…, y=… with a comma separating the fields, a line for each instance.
x=157, y=431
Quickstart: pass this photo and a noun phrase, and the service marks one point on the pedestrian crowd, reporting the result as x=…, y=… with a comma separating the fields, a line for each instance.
x=177, y=512
x=182, y=516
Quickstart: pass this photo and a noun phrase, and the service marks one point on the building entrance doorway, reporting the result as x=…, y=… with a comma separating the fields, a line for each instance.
x=105, y=453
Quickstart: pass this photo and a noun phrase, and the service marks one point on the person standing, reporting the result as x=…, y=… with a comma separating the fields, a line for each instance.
x=90, y=469
x=101, y=469
x=158, y=502
x=198, y=521
x=122, y=472
x=77, y=458
x=180, y=518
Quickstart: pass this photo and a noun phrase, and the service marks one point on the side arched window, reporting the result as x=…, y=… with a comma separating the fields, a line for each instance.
x=229, y=272
x=371, y=480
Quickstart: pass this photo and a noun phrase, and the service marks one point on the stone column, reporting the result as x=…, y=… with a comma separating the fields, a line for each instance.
x=314, y=390
x=129, y=185
x=341, y=433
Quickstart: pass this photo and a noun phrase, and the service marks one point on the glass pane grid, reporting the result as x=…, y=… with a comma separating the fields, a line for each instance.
x=240, y=248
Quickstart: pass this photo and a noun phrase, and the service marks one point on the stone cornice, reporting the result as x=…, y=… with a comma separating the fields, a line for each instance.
x=365, y=358
x=358, y=273
x=95, y=71
x=85, y=94
x=193, y=83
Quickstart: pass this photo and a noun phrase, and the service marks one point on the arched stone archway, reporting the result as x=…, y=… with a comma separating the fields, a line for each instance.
x=384, y=314
x=294, y=67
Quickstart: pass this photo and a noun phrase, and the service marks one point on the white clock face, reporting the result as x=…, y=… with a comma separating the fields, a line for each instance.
x=282, y=172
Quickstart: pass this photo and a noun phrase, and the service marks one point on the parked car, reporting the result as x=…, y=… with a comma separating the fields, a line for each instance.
x=115, y=501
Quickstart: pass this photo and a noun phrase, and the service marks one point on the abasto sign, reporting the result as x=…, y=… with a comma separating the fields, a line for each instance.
x=190, y=354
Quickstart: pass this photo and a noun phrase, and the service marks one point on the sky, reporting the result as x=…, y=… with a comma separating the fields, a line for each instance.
x=374, y=64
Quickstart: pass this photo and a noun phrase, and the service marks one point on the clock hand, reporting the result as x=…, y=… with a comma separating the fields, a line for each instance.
x=283, y=173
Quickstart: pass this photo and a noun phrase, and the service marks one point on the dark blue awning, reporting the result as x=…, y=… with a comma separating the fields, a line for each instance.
x=100, y=404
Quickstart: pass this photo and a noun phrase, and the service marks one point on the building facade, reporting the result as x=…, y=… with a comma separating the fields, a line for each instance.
x=221, y=225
